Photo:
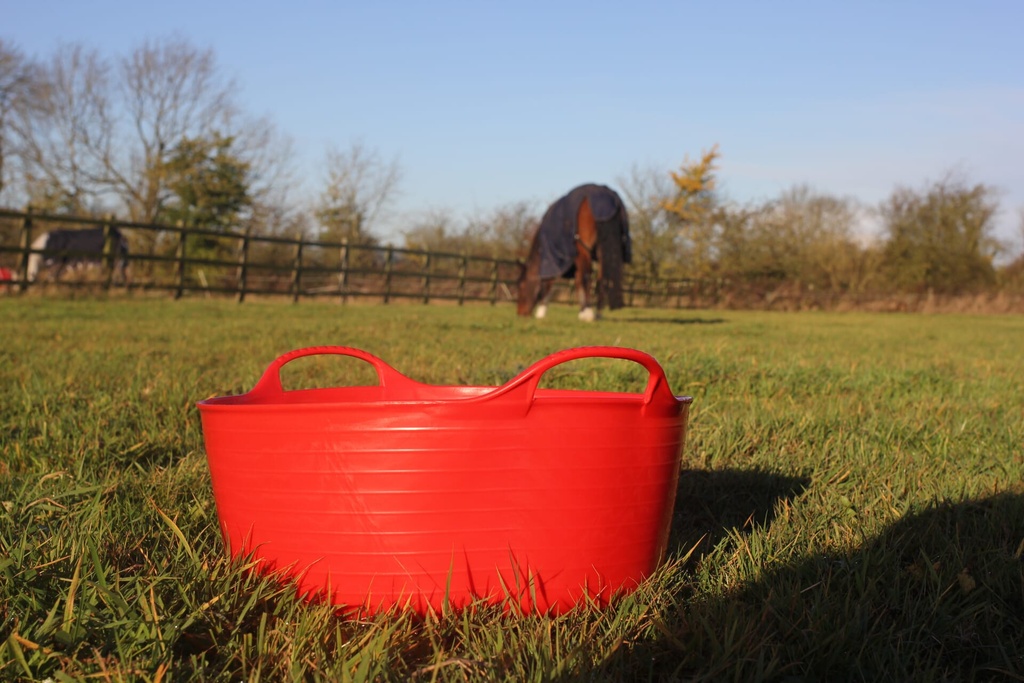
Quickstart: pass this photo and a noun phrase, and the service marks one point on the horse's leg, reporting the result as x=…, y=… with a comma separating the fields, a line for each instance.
x=588, y=313
x=586, y=239
x=36, y=261
x=121, y=275
x=546, y=288
x=582, y=280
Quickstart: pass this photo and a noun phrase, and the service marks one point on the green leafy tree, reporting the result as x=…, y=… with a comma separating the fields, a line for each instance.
x=940, y=238
x=208, y=184
x=208, y=187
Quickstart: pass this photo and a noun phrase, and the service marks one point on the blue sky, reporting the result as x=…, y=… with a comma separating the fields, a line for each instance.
x=487, y=103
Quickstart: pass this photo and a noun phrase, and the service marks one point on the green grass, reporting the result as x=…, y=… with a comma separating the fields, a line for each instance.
x=851, y=505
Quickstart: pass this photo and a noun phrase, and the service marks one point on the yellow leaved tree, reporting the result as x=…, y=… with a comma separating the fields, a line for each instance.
x=691, y=208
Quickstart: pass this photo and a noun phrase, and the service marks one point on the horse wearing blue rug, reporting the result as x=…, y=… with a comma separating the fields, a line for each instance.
x=589, y=224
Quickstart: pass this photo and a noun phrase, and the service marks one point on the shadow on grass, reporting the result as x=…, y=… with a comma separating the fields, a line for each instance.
x=937, y=596
x=150, y=456
x=670, y=321
x=711, y=503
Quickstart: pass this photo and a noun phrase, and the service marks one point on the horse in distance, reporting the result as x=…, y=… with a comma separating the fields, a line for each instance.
x=588, y=225
x=60, y=251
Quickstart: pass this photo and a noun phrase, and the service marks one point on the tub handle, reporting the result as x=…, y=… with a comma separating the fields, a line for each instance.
x=657, y=393
x=270, y=382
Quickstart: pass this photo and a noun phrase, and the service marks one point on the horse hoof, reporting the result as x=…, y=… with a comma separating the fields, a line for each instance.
x=588, y=315
x=541, y=311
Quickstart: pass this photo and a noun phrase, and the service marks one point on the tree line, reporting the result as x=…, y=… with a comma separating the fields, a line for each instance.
x=158, y=136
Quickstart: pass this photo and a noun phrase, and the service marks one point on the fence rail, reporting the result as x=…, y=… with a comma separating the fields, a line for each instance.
x=186, y=260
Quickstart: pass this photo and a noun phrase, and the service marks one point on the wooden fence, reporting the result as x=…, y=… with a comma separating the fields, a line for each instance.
x=183, y=260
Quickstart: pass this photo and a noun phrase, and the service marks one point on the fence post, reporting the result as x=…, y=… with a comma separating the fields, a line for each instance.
x=462, y=278
x=426, y=279
x=182, y=237
x=297, y=271
x=343, y=276
x=26, y=247
x=389, y=255
x=109, y=253
x=243, y=264
x=494, y=282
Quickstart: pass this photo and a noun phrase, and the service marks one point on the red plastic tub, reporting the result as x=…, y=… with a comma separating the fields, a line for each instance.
x=427, y=496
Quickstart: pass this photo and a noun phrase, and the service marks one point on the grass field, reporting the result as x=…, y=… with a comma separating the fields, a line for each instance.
x=851, y=505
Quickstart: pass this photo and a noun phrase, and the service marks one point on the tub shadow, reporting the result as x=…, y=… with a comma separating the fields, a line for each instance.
x=710, y=503
x=150, y=456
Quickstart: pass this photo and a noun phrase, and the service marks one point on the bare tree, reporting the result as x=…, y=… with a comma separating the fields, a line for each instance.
x=811, y=237
x=65, y=130
x=170, y=91
x=358, y=187
x=653, y=236
x=1011, y=275
x=94, y=134
x=270, y=156
x=1020, y=233
x=941, y=238
x=505, y=231
x=19, y=79
x=435, y=230
x=102, y=133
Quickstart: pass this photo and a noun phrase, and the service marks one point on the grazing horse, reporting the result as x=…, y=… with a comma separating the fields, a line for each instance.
x=588, y=224
x=62, y=249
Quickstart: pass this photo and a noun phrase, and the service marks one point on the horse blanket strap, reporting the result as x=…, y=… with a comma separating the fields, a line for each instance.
x=557, y=234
